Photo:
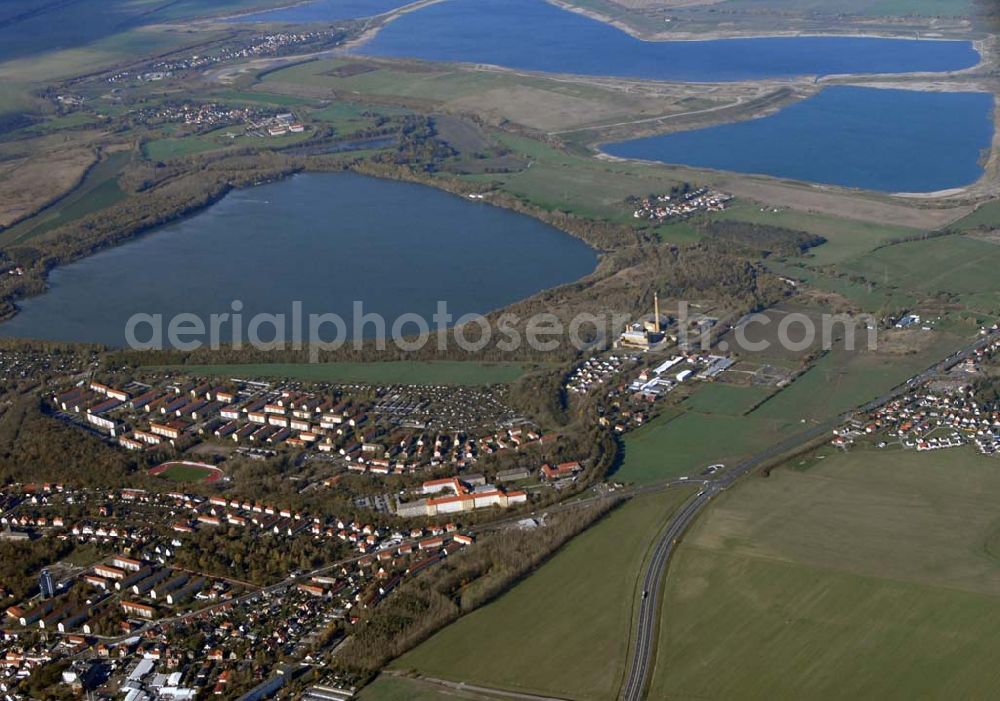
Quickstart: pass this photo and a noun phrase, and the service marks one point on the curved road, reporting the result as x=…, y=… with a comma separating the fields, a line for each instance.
x=644, y=644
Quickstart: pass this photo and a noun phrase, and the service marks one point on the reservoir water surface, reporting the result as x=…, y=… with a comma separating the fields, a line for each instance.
x=887, y=140
x=323, y=239
x=535, y=35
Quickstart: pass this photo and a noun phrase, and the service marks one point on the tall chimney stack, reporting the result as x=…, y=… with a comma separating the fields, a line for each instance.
x=656, y=312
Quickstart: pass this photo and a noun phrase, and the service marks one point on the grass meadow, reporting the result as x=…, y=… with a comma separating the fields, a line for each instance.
x=564, y=630
x=872, y=574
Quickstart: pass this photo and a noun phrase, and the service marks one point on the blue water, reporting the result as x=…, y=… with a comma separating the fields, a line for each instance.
x=534, y=35
x=325, y=11
x=889, y=140
x=323, y=239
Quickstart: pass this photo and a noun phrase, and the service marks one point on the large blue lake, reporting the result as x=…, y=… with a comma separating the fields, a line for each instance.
x=888, y=140
x=325, y=11
x=534, y=35
x=323, y=239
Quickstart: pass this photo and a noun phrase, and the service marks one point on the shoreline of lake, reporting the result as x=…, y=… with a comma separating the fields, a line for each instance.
x=534, y=35
x=857, y=138
x=341, y=237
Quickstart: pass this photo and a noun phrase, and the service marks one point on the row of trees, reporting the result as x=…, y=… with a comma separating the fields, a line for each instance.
x=759, y=239
x=461, y=583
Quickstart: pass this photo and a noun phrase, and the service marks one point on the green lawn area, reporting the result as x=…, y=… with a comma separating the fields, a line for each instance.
x=845, y=238
x=398, y=372
x=74, y=120
x=350, y=118
x=447, y=84
x=390, y=688
x=871, y=575
x=432, y=84
x=986, y=216
x=958, y=264
x=353, y=111
x=167, y=149
x=563, y=631
x=668, y=448
x=729, y=400
x=678, y=233
x=15, y=97
x=871, y=297
x=585, y=186
x=185, y=473
x=178, y=147
x=842, y=379
x=263, y=97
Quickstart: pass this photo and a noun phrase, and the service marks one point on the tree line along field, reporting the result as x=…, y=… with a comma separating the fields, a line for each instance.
x=563, y=631
x=871, y=574
x=845, y=238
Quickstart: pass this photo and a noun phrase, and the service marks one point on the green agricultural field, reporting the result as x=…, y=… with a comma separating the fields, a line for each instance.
x=75, y=120
x=351, y=116
x=873, y=574
x=167, y=149
x=842, y=380
x=668, y=448
x=98, y=190
x=170, y=148
x=399, y=372
x=391, y=688
x=678, y=233
x=15, y=97
x=354, y=111
x=260, y=96
x=584, y=186
x=536, y=102
x=957, y=264
x=846, y=238
x=869, y=296
x=564, y=630
x=728, y=400
x=986, y=216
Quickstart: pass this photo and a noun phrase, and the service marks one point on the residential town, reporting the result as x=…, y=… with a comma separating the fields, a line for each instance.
x=943, y=413
x=204, y=115
x=378, y=430
x=269, y=44
x=125, y=621
x=662, y=208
